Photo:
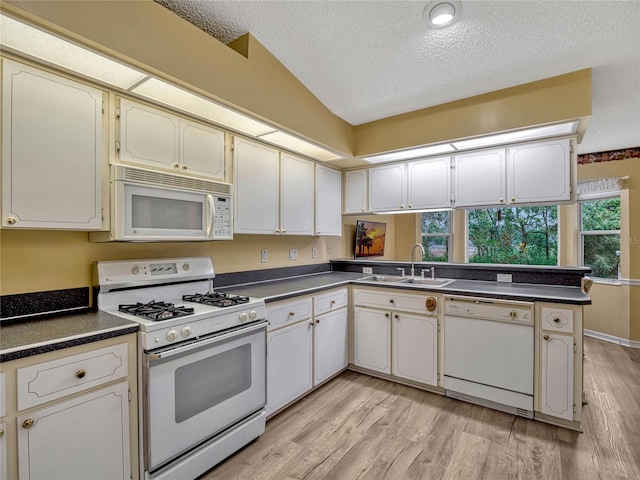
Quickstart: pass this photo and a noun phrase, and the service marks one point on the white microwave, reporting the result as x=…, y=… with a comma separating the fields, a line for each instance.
x=151, y=206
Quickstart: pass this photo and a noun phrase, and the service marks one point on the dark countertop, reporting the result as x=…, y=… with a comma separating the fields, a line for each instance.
x=33, y=337
x=272, y=291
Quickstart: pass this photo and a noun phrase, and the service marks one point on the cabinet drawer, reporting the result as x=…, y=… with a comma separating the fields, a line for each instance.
x=332, y=300
x=423, y=304
x=557, y=319
x=288, y=312
x=55, y=379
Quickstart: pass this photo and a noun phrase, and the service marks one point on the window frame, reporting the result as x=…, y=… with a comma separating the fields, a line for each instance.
x=448, y=235
x=582, y=233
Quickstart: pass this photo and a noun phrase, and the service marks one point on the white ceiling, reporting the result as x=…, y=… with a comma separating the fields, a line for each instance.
x=367, y=60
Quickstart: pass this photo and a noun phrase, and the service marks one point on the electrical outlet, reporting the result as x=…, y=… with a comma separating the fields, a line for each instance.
x=264, y=256
x=504, y=277
x=314, y=252
x=367, y=270
x=293, y=254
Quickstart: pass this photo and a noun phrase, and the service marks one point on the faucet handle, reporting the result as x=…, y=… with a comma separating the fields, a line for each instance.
x=401, y=270
x=422, y=272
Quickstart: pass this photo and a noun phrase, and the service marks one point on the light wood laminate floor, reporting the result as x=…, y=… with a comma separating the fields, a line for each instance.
x=360, y=427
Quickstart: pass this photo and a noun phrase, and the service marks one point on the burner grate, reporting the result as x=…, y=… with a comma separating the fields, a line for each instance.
x=216, y=299
x=156, y=311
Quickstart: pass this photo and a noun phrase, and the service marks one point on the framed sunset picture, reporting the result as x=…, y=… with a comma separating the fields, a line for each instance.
x=370, y=238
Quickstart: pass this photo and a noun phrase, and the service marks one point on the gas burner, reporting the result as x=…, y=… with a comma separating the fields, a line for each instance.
x=216, y=299
x=156, y=311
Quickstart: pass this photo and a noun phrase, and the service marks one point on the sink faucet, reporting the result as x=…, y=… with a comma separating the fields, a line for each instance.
x=413, y=249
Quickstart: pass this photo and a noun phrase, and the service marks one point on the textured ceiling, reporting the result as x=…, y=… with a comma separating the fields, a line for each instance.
x=367, y=60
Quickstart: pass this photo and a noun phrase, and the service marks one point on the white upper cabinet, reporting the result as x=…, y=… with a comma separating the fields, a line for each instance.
x=540, y=172
x=296, y=195
x=355, y=197
x=428, y=183
x=256, y=182
x=387, y=188
x=52, y=144
x=154, y=138
x=479, y=178
x=328, y=201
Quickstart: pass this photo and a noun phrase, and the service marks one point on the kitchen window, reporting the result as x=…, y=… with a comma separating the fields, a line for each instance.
x=518, y=235
x=435, y=228
x=600, y=236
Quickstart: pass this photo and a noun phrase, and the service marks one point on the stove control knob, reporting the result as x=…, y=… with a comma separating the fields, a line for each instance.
x=243, y=317
x=186, y=331
x=186, y=267
x=135, y=270
x=172, y=335
x=253, y=314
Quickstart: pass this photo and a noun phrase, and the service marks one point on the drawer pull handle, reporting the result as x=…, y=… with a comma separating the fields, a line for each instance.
x=28, y=423
x=546, y=337
x=391, y=301
x=557, y=320
x=291, y=314
x=81, y=373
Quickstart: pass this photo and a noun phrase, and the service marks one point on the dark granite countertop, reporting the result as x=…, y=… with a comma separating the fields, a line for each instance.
x=33, y=337
x=272, y=291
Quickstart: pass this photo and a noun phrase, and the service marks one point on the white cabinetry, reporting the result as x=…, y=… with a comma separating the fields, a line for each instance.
x=397, y=334
x=52, y=144
x=273, y=191
x=3, y=452
x=152, y=137
x=387, y=188
x=355, y=186
x=479, y=178
x=303, y=348
x=328, y=201
x=560, y=364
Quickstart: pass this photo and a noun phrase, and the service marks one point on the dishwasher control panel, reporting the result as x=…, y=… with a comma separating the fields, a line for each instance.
x=504, y=312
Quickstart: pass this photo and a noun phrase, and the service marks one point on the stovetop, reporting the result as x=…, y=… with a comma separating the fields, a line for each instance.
x=156, y=311
x=216, y=299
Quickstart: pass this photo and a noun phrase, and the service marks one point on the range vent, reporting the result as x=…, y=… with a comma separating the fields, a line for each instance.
x=166, y=179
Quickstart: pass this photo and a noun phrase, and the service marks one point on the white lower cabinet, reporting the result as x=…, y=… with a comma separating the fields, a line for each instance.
x=84, y=423
x=372, y=334
x=288, y=364
x=415, y=348
x=305, y=348
x=3, y=451
x=557, y=375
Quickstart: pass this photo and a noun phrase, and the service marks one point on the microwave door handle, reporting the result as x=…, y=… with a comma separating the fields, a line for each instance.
x=210, y=213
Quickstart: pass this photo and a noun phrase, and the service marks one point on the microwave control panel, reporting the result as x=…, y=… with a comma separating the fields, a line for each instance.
x=222, y=224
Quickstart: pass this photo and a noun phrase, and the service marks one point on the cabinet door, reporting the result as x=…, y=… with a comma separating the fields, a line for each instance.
x=85, y=437
x=148, y=136
x=355, y=184
x=372, y=339
x=479, y=178
x=289, y=369
x=201, y=150
x=540, y=172
x=387, y=188
x=415, y=348
x=428, y=183
x=256, y=188
x=330, y=345
x=557, y=375
x=296, y=196
x=51, y=151
x=3, y=451
x=328, y=201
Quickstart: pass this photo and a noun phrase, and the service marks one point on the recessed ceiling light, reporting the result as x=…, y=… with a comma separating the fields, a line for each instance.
x=442, y=13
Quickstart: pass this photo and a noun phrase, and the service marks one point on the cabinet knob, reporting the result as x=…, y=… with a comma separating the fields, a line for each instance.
x=11, y=220
x=391, y=300
x=431, y=303
x=556, y=320
x=501, y=200
x=1, y=433
x=317, y=321
x=184, y=167
x=396, y=316
x=311, y=324
x=386, y=315
x=410, y=205
x=28, y=423
x=333, y=302
x=291, y=314
x=513, y=199
x=362, y=209
x=81, y=373
x=176, y=166
x=401, y=206
x=546, y=337
x=283, y=231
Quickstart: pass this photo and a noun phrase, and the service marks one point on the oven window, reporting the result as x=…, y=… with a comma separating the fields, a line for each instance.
x=204, y=384
x=166, y=213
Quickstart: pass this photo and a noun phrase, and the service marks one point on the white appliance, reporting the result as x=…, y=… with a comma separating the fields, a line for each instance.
x=147, y=205
x=488, y=354
x=202, y=362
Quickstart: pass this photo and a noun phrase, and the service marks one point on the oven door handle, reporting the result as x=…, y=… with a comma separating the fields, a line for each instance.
x=151, y=357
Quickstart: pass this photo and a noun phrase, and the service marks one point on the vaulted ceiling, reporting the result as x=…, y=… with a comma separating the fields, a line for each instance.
x=367, y=60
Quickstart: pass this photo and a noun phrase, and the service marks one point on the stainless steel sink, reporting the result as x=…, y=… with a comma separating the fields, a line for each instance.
x=432, y=282
x=385, y=278
x=438, y=282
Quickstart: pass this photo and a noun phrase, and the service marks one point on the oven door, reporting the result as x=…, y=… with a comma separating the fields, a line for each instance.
x=145, y=213
x=196, y=391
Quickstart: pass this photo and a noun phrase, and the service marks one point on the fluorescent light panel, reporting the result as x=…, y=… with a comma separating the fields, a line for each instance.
x=411, y=153
x=296, y=144
x=36, y=43
x=424, y=210
x=186, y=101
x=533, y=133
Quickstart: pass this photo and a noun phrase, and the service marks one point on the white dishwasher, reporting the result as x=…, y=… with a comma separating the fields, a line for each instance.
x=488, y=353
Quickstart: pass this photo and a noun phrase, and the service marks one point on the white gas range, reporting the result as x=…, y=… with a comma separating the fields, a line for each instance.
x=202, y=368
